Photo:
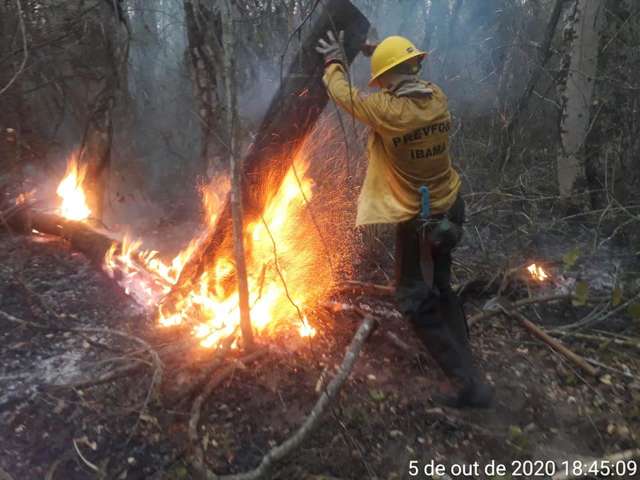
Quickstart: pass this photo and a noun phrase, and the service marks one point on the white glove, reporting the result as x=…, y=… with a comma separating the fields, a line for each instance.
x=332, y=49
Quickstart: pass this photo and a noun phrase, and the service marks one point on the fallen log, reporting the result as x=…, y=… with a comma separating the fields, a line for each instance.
x=82, y=237
x=292, y=114
x=93, y=243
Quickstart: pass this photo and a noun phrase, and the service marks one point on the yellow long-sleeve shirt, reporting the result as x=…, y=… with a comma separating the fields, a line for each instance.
x=408, y=147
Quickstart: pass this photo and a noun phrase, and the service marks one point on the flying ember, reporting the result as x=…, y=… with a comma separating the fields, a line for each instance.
x=74, y=203
x=286, y=273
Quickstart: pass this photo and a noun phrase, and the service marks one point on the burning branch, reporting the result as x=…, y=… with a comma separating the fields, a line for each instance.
x=286, y=126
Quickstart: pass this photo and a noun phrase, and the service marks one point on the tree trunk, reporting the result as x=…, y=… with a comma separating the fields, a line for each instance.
x=105, y=88
x=204, y=34
x=578, y=95
x=95, y=152
x=228, y=40
x=290, y=117
x=612, y=146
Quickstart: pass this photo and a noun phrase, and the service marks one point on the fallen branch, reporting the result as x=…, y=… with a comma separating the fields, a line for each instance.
x=214, y=381
x=520, y=303
x=363, y=288
x=328, y=395
x=552, y=342
x=393, y=338
x=207, y=371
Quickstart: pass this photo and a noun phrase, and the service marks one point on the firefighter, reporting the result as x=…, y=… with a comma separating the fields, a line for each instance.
x=410, y=182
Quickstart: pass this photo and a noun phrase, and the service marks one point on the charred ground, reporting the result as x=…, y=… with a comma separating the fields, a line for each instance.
x=545, y=407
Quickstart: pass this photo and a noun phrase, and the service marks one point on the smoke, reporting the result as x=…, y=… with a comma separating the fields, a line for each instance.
x=467, y=42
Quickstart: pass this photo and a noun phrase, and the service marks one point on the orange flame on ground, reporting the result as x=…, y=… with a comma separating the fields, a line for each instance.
x=74, y=203
x=211, y=307
x=537, y=272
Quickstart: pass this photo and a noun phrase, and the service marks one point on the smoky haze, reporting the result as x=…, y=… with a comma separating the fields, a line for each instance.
x=156, y=169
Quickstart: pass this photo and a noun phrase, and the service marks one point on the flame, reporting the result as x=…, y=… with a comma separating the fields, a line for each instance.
x=537, y=272
x=286, y=271
x=306, y=330
x=74, y=203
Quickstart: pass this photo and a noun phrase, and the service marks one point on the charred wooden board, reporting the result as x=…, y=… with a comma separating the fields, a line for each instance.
x=291, y=115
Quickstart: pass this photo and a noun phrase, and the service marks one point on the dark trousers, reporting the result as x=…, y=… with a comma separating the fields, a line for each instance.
x=433, y=308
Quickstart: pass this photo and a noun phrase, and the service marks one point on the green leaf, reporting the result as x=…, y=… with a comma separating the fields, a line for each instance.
x=571, y=257
x=581, y=294
x=616, y=296
x=179, y=472
x=634, y=311
x=377, y=395
x=514, y=431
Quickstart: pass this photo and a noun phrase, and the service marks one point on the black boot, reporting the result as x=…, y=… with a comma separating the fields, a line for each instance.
x=453, y=355
x=452, y=311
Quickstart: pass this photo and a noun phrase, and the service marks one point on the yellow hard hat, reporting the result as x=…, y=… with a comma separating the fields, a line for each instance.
x=392, y=51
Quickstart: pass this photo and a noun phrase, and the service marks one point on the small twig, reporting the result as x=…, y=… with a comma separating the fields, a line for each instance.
x=213, y=382
x=520, y=303
x=84, y=460
x=328, y=395
x=401, y=344
x=597, y=320
x=601, y=338
x=156, y=379
x=358, y=287
x=552, y=342
x=598, y=364
x=104, y=378
x=66, y=456
x=395, y=340
x=207, y=371
x=25, y=48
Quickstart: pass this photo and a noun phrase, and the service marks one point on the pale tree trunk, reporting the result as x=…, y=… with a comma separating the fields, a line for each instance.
x=147, y=35
x=95, y=152
x=203, y=24
x=612, y=145
x=578, y=95
x=228, y=42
